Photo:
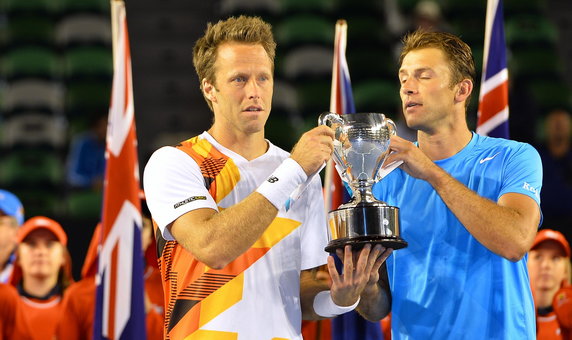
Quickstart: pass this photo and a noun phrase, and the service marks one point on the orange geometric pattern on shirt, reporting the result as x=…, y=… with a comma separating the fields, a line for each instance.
x=215, y=166
x=195, y=293
x=214, y=291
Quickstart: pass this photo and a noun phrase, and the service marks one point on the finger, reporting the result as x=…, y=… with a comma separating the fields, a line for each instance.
x=363, y=258
x=348, y=264
x=333, y=271
x=374, y=255
x=325, y=130
x=381, y=259
x=340, y=254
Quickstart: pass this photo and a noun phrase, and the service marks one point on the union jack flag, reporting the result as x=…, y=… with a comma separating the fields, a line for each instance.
x=493, y=97
x=348, y=326
x=120, y=311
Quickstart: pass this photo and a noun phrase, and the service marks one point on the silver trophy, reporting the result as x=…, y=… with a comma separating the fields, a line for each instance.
x=361, y=145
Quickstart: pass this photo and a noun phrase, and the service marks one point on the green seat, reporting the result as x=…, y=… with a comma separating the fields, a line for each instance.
x=267, y=9
x=530, y=30
x=406, y=7
x=470, y=29
x=550, y=94
x=283, y=131
x=367, y=31
x=40, y=201
x=91, y=6
x=84, y=204
x=304, y=29
x=14, y=7
x=87, y=96
x=464, y=9
x=88, y=62
x=377, y=96
x=28, y=29
x=515, y=7
x=371, y=63
x=314, y=97
x=30, y=168
x=30, y=62
x=534, y=63
x=315, y=6
x=351, y=7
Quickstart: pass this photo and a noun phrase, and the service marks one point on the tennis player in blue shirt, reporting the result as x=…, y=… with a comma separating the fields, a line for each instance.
x=469, y=210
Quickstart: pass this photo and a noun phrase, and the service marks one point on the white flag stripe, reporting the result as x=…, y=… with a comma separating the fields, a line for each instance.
x=493, y=122
x=493, y=82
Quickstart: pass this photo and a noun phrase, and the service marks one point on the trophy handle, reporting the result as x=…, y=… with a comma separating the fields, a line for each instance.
x=329, y=119
x=392, y=126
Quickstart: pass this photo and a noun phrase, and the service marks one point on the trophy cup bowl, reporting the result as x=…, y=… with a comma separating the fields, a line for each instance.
x=361, y=145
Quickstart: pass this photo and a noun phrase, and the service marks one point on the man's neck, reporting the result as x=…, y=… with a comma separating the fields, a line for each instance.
x=248, y=146
x=443, y=144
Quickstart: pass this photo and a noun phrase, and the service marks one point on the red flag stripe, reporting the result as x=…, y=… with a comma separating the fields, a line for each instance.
x=493, y=102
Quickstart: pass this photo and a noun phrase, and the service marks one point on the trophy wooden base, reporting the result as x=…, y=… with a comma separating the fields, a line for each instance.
x=358, y=242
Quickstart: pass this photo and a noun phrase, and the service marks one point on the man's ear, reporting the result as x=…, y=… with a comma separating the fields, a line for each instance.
x=209, y=91
x=464, y=90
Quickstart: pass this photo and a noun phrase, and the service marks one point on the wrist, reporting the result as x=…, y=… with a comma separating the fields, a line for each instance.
x=282, y=182
x=326, y=307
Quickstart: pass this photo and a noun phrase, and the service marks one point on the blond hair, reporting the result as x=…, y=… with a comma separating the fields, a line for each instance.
x=244, y=29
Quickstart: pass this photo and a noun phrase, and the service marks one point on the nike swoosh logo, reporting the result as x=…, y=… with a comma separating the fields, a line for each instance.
x=488, y=158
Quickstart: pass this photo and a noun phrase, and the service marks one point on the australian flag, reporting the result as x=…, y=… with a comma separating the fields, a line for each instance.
x=120, y=311
x=493, y=97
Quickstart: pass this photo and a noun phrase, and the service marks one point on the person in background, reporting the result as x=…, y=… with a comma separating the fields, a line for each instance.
x=41, y=275
x=79, y=300
x=469, y=209
x=11, y=217
x=86, y=158
x=548, y=267
x=556, y=155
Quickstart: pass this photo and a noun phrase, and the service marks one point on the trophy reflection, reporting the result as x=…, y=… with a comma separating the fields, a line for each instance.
x=361, y=144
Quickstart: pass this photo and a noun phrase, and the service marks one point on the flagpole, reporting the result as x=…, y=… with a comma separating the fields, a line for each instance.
x=340, y=36
x=117, y=11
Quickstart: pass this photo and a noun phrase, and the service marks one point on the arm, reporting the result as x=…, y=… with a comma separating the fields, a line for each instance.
x=506, y=227
x=375, y=302
x=217, y=238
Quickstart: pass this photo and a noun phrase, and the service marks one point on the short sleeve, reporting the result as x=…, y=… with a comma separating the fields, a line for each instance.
x=523, y=173
x=173, y=186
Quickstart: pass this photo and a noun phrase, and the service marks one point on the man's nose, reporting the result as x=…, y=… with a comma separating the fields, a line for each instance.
x=408, y=87
x=253, y=89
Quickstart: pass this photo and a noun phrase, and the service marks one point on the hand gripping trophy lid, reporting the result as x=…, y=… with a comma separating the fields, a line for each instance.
x=361, y=145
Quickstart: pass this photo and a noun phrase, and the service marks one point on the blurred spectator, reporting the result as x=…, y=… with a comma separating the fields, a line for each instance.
x=86, y=159
x=41, y=274
x=11, y=217
x=9, y=310
x=79, y=300
x=426, y=16
x=556, y=154
x=548, y=266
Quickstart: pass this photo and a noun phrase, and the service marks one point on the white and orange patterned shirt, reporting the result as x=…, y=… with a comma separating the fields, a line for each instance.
x=257, y=296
